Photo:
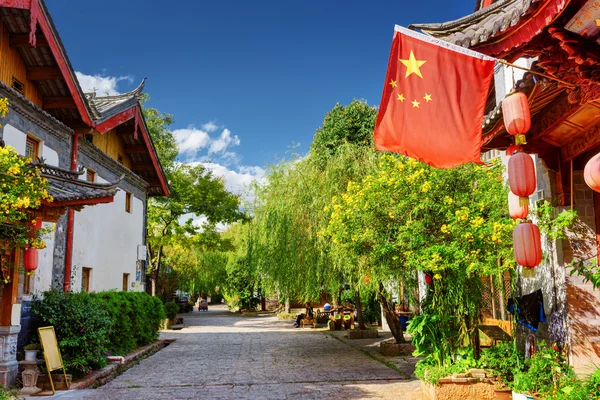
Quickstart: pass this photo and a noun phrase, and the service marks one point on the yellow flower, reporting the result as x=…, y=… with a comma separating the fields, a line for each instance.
x=437, y=276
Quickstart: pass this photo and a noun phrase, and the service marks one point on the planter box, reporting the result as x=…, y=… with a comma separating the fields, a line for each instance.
x=468, y=390
x=363, y=334
x=59, y=381
x=397, y=349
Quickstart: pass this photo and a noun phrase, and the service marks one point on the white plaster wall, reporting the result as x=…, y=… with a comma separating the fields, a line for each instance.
x=105, y=239
x=15, y=138
x=43, y=275
x=50, y=156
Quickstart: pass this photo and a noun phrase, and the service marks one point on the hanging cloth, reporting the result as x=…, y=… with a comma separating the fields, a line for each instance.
x=529, y=309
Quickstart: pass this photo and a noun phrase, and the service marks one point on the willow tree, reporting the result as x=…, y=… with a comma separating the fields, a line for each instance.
x=411, y=217
x=288, y=250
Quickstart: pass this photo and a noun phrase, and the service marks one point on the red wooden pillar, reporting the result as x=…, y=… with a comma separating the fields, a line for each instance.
x=10, y=290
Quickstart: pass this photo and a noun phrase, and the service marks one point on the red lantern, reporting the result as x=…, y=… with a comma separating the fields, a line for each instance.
x=521, y=176
x=30, y=259
x=428, y=279
x=517, y=118
x=517, y=211
x=527, y=244
x=512, y=149
x=591, y=173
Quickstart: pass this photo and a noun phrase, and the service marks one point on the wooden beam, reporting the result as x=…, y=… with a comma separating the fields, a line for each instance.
x=43, y=73
x=551, y=117
x=136, y=149
x=22, y=40
x=142, y=166
x=52, y=102
x=153, y=182
x=124, y=130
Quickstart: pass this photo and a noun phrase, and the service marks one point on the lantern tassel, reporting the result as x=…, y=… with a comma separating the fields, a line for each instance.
x=520, y=139
x=527, y=272
x=524, y=201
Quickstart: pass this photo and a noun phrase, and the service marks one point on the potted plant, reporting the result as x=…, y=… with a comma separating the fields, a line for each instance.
x=31, y=351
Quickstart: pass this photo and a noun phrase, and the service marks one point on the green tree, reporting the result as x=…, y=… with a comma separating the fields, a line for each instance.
x=194, y=192
x=410, y=217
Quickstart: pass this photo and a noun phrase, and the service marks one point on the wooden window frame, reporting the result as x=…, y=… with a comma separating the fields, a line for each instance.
x=128, y=201
x=90, y=173
x=17, y=85
x=126, y=277
x=86, y=279
x=36, y=147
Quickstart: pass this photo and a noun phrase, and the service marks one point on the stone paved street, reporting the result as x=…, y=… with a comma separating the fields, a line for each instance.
x=220, y=355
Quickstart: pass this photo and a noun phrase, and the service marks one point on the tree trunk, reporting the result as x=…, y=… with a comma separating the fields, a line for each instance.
x=359, y=316
x=156, y=271
x=390, y=316
x=287, y=304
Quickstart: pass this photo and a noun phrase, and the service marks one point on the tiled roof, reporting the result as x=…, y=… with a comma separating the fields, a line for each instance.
x=478, y=27
x=65, y=187
x=104, y=107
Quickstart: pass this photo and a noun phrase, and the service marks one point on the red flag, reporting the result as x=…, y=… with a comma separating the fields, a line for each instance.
x=433, y=100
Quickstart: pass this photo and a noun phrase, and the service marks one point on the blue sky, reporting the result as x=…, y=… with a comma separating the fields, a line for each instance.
x=245, y=80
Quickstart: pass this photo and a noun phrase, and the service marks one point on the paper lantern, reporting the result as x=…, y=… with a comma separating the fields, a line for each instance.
x=30, y=259
x=428, y=279
x=521, y=176
x=527, y=244
x=517, y=118
x=516, y=210
x=591, y=173
x=512, y=149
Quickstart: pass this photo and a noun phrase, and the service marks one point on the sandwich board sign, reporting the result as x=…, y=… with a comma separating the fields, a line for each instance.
x=51, y=353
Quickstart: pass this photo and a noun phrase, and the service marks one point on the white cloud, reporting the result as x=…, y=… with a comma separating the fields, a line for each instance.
x=190, y=140
x=210, y=126
x=223, y=142
x=103, y=85
x=238, y=181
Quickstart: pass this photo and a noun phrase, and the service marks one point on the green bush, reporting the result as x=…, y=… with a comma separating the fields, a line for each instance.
x=283, y=316
x=502, y=360
x=171, y=309
x=90, y=326
x=137, y=318
x=82, y=328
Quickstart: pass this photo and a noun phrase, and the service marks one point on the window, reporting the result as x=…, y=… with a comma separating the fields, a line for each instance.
x=120, y=158
x=128, y=202
x=86, y=274
x=125, y=282
x=90, y=175
x=18, y=85
x=32, y=148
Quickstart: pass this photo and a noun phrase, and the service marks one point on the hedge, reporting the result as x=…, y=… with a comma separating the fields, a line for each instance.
x=91, y=326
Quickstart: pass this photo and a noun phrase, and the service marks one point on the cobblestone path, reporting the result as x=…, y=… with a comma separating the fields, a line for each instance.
x=222, y=356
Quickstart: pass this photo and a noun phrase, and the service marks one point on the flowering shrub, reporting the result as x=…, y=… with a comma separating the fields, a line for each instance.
x=21, y=189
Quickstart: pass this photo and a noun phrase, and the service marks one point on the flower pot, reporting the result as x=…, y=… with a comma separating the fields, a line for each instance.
x=521, y=396
x=503, y=394
x=31, y=355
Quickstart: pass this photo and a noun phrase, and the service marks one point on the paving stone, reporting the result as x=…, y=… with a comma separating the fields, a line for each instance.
x=220, y=355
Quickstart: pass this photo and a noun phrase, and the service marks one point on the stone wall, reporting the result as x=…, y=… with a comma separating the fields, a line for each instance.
x=583, y=300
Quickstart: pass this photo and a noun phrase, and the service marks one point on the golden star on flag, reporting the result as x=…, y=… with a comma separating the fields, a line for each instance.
x=412, y=65
x=394, y=84
x=427, y=97
x=415, y=103
x=401, y=97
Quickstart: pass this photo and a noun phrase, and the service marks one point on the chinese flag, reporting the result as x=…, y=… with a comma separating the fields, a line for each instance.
x=433, y=100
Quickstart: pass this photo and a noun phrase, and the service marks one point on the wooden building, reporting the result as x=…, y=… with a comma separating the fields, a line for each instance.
x=560, y=38
x=94, y=151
